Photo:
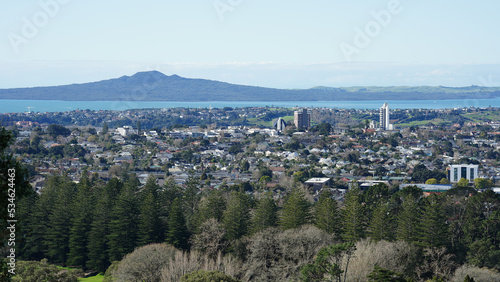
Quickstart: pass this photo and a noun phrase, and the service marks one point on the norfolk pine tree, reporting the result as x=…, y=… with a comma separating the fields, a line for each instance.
x=25, y=211
x=13, y=175
x=212, y=206
x=34, y=212
x=353, y=216
x=177, y=234
x=295, y=211
x=326, y=213
x=236, y=217
x=122, y=236
x=408, y=220
x=112, y=190
x=38, y=230
x=82, y=219
x=372, y=197
x=149, y=225
x=482, y=229
x=265, y=214
x=433, y=229
x=150, y=187
x=191, y=199
x=98, y=258
x=166, y=196
x=59, y=224
x=98, y=240
x=381, y=226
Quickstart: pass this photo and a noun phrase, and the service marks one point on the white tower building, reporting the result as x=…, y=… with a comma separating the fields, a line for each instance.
x=384, y=117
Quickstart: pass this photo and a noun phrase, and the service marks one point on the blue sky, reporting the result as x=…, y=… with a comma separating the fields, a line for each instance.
x=285, y=44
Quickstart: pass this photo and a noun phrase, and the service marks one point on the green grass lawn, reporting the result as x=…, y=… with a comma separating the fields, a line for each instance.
x=257, y=121
x=436, y=121
x=97, y=278
x=485, y=116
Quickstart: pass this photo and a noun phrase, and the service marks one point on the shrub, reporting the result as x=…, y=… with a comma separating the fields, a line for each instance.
x=145, y=263
x=275, y=255
x=302, y=244
x=400, y=257
x=185, y=263
x=264, y=253
x=476, y=273
x=34, y=271
x=110, y=272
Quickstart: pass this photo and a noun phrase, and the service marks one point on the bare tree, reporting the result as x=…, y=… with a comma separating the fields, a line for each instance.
x=211, y=239
x=436, y=262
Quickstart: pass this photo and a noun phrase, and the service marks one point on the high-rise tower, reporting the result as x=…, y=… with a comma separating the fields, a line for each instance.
x=384, y=117
x=302, y=119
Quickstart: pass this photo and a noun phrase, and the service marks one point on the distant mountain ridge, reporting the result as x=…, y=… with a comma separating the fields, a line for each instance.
x=156, y=86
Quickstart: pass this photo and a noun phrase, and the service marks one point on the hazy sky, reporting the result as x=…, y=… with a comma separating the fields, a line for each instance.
x=286, y=44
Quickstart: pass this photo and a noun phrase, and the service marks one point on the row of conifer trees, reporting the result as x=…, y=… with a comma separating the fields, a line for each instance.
x=93, y=223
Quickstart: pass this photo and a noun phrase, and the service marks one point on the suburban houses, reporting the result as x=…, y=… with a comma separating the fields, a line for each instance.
x=343, y=154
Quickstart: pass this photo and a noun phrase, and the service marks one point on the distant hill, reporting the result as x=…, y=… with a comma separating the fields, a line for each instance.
x=156, y=86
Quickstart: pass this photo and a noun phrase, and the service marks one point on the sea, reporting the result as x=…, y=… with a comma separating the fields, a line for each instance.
x=19, y=106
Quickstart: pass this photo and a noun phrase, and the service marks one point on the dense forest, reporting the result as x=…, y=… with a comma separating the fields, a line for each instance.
x=95, y=224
